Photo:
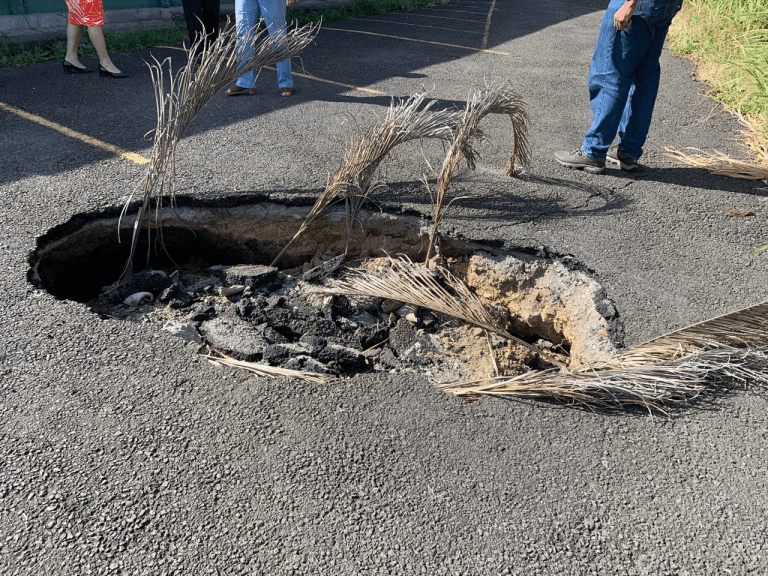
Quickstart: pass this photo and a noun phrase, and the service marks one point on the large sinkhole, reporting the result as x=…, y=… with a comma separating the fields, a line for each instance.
x=207, y=279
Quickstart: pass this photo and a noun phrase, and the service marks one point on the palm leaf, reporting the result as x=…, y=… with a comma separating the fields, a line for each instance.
x=409, y=120
x=186, y=94
x=746, y=327
x=670, y=370
x=217, y=357
x=407, y=282
x=479, y=105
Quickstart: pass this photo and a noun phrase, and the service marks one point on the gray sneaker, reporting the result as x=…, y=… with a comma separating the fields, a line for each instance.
x=616, y=157
x=577, y=159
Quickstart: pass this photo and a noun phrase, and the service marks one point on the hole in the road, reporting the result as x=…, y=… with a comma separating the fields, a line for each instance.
x=219, y=288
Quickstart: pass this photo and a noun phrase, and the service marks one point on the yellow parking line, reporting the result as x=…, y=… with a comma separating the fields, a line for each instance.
x=318, y=79
x=421, y=41
x=453, y=11
x=311, y=77
x=433, y=17
x=422, y=26
x=488, y=24
x=133, y=157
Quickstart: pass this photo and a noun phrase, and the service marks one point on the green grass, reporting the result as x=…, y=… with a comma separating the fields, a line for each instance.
x=728, y=39
x=55, y=48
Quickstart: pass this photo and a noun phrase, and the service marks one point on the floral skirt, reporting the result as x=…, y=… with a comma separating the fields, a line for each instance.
x=86, y=12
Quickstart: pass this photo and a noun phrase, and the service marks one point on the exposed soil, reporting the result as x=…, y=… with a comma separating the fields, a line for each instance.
x=260, y=314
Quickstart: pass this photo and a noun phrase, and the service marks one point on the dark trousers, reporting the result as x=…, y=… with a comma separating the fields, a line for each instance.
x=202, y=16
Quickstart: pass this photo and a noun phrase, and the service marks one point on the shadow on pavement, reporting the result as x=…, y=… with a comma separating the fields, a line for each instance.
x=121, y=112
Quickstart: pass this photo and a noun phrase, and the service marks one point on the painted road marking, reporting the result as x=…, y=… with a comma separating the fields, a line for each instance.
x=431, y=17
x=342, y=84
x=454, y=11
x=307, y=76
x=488, y=25
x=395, y=22
x=132, y=156
x=485, y=50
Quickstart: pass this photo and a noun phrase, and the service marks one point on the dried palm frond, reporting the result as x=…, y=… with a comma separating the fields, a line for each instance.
x=723, y=165
x=670, y=370
x=480, y=104
x=353, y=182
x=219, y=63
x=217, y=357
x=630, y=380
x=720, y=164
x=405, y=121
x=407, y=282
x=745, y=327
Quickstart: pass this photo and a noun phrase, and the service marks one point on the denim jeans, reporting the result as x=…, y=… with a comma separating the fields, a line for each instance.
x=247, y=13
x=624, y=79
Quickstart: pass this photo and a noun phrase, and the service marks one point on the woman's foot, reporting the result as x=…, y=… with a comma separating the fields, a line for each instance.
x=104, y=72
x=74, y=67
x=109, y=66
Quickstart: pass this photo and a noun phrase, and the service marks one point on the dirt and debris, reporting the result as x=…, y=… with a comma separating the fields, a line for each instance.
x=279, y=318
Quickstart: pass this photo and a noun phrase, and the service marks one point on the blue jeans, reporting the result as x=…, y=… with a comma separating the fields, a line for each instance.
x=623, y=83
x=247, y=13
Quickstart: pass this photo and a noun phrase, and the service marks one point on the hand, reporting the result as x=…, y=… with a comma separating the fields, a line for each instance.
x=623, y=17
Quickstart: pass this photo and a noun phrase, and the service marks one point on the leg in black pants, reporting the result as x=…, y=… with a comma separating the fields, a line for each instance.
x=202, y=16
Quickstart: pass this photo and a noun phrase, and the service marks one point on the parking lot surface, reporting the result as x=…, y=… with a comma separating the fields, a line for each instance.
x=123, y=452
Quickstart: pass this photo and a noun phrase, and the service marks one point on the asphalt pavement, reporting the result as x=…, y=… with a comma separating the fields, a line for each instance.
x=124, y=453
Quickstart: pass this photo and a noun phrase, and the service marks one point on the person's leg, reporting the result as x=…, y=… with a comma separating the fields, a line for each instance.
x=193, y=14
x=211, y=13
x=636, y=119
x=96, y=34
x=247, y=14
x=74, y=35
x=617, y=55
x=274, y=18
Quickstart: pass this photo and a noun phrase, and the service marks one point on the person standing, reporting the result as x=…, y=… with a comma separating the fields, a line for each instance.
x=88, y=13
x=247, y=14
x=202, y=19
x=623, y=83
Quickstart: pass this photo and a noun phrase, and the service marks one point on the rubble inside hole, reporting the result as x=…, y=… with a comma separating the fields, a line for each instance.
x=277, y=318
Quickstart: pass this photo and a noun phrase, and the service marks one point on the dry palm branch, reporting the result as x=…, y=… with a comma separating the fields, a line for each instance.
x=186, y=93
x=353, y=182
x=480, y=104
x=411, y=119
x=217, y=357
x=435, y=289
x=722, y=164
x=668, y=371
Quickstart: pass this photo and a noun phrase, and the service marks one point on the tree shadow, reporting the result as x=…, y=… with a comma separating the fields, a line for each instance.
x=517, y=200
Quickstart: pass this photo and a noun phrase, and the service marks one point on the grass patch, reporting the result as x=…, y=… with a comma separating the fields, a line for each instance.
x=55, y=47
x=728, y=40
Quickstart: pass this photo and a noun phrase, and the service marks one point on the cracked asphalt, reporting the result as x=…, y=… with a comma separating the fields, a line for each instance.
x=121, y=452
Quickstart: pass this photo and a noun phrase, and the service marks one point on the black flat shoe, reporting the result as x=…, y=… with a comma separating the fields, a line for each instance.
x=104, y=72
x=72, y=69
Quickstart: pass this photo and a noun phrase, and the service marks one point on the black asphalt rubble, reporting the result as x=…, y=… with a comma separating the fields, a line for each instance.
x=124, y=452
